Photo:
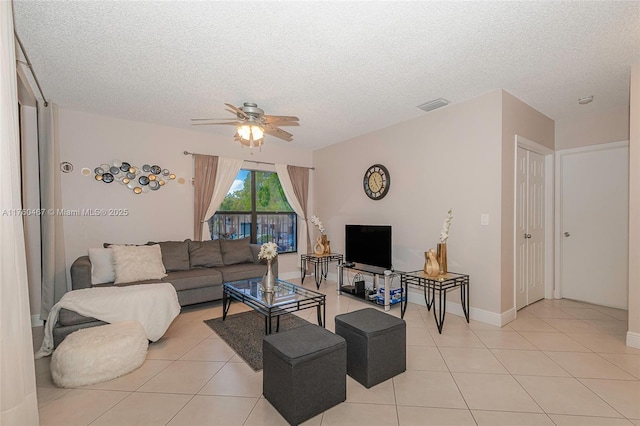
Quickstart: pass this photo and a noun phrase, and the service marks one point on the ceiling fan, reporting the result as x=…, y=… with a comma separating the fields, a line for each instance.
x=252, y=123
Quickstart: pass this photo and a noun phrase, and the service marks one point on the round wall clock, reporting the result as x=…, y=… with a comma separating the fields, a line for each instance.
x=376, y=182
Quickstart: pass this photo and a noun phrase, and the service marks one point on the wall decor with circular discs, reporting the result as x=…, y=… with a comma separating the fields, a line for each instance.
x=139, y=180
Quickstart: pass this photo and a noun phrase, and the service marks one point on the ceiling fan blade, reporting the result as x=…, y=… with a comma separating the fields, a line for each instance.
x=234, y=123
x=238, y=111
x=286, y=123
x=210, y=119
x=279, y=118
x=279, y=133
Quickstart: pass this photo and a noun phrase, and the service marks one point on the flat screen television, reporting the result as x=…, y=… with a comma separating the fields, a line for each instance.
x=368, y=244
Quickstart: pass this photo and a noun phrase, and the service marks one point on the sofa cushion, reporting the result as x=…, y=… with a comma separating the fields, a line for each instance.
x=193, y=278
x=136, y=263
x=205, y=254
x=102, y=270
x=242, y=271
x=67, y=317
x=175, y=255
x=236, y=251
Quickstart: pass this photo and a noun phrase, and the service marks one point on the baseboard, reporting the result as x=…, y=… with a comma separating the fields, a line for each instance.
x=475, y=314
x=417, y=297
x=633, y=339
x=507, y=316
x=36, y=321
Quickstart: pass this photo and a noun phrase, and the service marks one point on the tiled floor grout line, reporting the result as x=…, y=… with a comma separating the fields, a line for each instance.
x=520, y=384
x=571, y=375
x=599, y=397
x=423, y=323
x=516, y=380
x=251, y=411
x=180, y=410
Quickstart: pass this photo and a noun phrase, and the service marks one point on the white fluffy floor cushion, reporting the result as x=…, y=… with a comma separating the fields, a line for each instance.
x=98, y=354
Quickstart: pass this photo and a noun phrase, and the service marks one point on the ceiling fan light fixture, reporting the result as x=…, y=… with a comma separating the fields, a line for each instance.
x=257, y=132
x=250, y=134
x=251, y=123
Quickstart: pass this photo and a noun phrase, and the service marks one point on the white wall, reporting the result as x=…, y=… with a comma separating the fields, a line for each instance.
x=593, y=129
x=615, y=125
x=519, y=119
x=448, y=158
x=460, y=157
x=88, y=140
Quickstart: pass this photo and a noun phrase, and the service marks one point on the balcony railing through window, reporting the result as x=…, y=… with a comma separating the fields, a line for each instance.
x=277, y=227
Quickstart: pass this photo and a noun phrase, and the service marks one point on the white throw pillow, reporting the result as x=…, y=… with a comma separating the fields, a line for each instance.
x=138, y=263
x=102, y=270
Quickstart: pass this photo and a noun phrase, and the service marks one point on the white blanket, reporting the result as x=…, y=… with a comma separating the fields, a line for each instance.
x=153, y=305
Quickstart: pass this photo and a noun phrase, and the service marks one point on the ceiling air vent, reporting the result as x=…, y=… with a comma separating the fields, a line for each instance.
x=434, y=104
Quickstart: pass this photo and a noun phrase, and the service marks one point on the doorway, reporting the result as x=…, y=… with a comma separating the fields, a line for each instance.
x=529, y=227
x=593, y=196
x=533, y=205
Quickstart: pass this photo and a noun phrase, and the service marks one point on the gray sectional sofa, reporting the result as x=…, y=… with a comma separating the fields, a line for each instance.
x=197, y=270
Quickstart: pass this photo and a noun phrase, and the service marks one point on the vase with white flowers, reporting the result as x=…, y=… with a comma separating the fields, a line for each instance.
x=268, y=251
x=442, y=245
x=322, y=245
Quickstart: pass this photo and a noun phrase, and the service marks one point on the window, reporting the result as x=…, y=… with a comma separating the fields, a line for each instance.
x=256, y=207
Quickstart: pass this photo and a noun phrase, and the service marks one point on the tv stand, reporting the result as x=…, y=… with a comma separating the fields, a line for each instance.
x=377, y=273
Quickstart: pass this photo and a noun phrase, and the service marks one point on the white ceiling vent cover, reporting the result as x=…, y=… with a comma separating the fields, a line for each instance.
x=434, y=104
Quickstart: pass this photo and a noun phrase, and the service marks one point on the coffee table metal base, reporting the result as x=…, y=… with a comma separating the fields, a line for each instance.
x=274, y=305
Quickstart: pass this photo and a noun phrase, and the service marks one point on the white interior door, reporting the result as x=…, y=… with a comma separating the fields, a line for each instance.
x=521, y=228
x=535, y=227
x=594, y=224
x=530, y=232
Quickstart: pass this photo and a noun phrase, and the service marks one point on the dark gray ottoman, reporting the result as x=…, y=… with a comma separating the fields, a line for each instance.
x=304, y=371
x=376, y=345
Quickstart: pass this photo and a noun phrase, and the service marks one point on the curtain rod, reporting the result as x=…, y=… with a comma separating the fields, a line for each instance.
x=249, y=161
x=24, y=52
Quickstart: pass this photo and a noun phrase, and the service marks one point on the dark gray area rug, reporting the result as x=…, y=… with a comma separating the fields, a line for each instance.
x=244, y=333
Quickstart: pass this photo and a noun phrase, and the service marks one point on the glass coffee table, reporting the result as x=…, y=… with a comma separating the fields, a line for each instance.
x=286, y=298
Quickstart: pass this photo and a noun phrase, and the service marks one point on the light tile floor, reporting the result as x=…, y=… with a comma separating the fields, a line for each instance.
x=561, y=362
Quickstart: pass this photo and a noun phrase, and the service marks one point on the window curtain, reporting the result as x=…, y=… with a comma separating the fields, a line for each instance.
x=54, y=268
x=18, y=399
x=206, y=167
x=226, y=173
x=295, y=183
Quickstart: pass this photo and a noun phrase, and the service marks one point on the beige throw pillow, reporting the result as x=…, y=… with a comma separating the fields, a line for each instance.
x=102, y=270
x=137, y=263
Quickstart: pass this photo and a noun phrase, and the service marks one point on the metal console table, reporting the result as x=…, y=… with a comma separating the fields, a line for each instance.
x=320, y=265
x=441, y=284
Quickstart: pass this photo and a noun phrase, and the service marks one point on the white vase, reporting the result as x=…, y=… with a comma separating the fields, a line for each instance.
x=269, y=280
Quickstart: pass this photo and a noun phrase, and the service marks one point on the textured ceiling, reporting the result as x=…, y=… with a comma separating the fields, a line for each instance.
x=344, y=68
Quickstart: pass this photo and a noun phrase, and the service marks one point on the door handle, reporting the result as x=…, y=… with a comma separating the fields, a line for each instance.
x=566, y=234
x=527, y=235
